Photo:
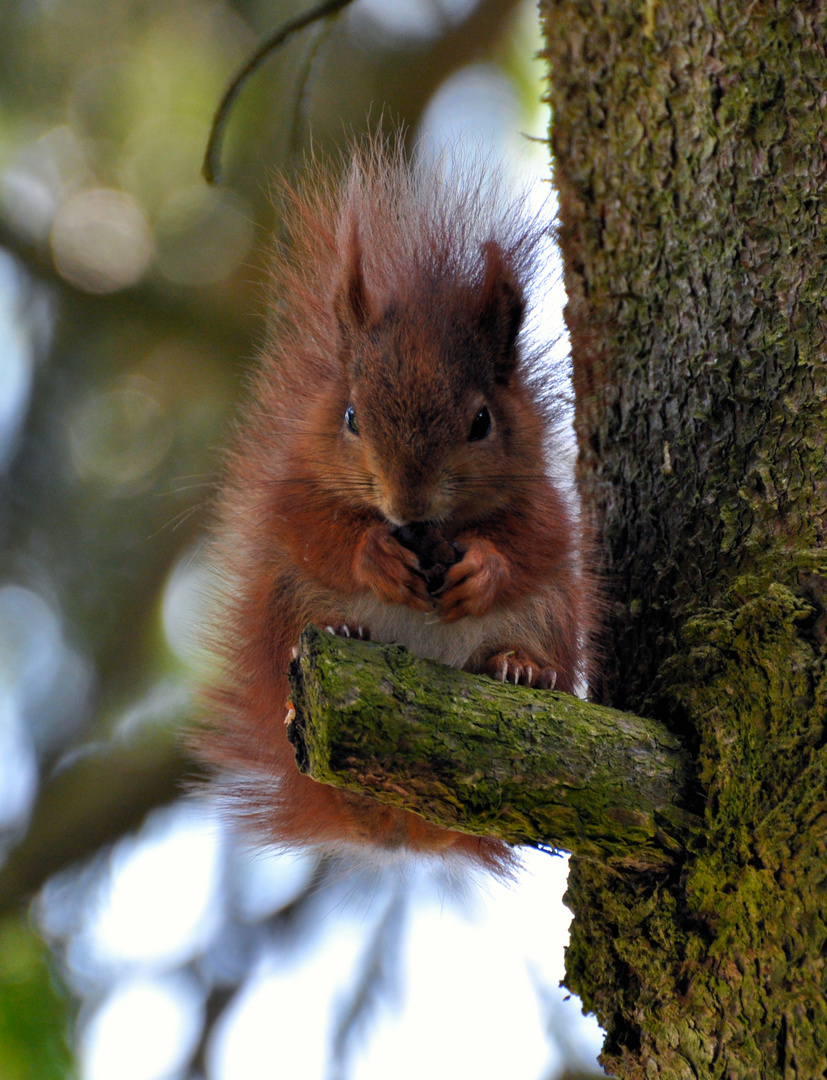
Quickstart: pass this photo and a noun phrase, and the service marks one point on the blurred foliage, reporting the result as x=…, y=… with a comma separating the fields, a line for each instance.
x=33, y=1009
x=131, y=304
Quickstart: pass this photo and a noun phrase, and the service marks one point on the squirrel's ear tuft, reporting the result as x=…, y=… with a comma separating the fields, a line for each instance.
x=501, y=307
x=351, y=304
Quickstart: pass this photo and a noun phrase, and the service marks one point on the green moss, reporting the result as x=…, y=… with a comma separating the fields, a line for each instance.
x=689, y=154
x=745, y=930
x=530, y=766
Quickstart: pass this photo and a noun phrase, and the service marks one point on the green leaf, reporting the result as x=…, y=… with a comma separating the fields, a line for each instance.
x=34, y=1009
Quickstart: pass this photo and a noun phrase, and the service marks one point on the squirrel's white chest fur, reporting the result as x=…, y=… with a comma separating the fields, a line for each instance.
x=423, y=632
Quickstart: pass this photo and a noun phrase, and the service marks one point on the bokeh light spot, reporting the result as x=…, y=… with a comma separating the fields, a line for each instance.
x=158, y=904
x=42, y=175
x=101, y=241
x=18, y=766
x=119, y=435
x=16, y=360
x=144, y=1030
x=412, y=19
x=161, y=155
x=202, y=235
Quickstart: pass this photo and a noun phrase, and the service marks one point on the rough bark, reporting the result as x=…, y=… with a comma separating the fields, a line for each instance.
x=529, y=766
x=690, y=160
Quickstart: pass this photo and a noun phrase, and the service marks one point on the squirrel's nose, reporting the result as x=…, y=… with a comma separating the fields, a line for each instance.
x=404, y=504
x=406, y=513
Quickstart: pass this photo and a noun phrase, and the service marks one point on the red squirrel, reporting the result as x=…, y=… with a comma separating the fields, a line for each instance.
x=391, y=478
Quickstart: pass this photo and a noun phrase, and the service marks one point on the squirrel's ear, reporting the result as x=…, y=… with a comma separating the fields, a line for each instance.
x=351, y=304
x=501, y=307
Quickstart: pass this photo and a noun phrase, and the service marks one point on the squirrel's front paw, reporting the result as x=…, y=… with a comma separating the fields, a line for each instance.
x=473, y=585
x=390, y=570
x=517, y=667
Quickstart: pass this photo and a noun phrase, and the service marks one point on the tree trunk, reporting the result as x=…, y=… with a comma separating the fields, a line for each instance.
x=690, y=157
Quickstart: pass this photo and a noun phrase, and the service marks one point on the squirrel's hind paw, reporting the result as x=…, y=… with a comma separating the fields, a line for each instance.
x=351, y=630
x=517, y=667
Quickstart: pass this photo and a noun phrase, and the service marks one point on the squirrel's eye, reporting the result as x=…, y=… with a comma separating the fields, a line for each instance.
x=480, y=426
x=350, y=420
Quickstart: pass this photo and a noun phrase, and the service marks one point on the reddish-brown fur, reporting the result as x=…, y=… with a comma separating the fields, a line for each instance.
x=403, y=298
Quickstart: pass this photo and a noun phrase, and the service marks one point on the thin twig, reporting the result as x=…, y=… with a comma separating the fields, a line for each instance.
x=211, y=166
x=301, y=107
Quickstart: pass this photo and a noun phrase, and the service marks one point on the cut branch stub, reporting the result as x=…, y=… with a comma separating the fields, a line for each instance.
x=529, y=766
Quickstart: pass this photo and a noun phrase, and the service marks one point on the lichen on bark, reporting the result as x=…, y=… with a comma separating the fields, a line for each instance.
x=689, y=146
x=529, y=766
x=719, y=973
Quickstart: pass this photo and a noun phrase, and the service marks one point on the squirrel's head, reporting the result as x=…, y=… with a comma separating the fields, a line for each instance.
x=433, y=409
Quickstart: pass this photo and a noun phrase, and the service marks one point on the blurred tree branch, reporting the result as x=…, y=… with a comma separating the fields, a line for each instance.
x=185, y=310
x=92, y=802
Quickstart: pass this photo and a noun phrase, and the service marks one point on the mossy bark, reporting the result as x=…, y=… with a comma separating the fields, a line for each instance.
x=529, y=766
x=689, y=146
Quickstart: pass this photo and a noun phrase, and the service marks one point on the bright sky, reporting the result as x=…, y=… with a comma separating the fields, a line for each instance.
x=471, y=975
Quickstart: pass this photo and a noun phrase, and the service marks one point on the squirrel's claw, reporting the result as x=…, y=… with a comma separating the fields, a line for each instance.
x=348, y=630
x=517, y=667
